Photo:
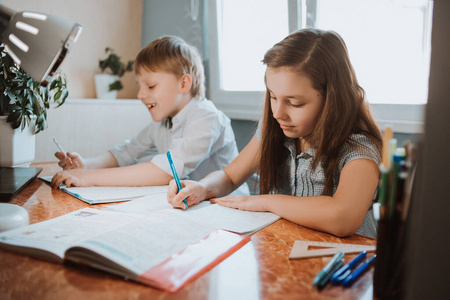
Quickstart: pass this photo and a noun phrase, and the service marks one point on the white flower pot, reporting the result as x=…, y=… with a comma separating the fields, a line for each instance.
x=17, y=147
x=102, y=82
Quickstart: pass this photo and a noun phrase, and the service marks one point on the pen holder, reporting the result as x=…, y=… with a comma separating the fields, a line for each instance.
x=390, y=262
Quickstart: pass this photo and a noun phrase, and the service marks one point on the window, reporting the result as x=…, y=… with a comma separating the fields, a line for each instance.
x=388, y=42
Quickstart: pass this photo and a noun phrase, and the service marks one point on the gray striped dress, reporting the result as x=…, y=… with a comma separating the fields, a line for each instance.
x=306, y=182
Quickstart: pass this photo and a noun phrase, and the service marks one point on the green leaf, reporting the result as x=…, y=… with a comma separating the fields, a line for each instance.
x=21, y=97
x=57, y=95
x=116, y=85
x=11, y=96
x=52, y=85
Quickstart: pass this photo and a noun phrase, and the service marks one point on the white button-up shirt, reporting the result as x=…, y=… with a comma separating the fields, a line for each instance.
x=200, y=139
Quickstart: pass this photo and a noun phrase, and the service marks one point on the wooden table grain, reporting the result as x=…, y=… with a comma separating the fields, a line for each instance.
x=260, y=270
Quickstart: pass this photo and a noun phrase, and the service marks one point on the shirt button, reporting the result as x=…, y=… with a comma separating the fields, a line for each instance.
x=292, y=170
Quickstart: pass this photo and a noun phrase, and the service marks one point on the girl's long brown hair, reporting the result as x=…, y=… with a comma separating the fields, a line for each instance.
x=321, y=56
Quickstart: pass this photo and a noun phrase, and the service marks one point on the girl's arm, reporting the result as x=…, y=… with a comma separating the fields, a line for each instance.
x=218, y=183
x=341, y=215
x=134, y=175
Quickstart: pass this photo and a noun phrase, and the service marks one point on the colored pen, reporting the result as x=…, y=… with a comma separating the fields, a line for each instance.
x=343, y=272
x=383, y=190
x=358, y=272
x=59, y=146
x=327, y=277
x=329, y=266
x=393, y=190
x=175, y=175
x=387, y=136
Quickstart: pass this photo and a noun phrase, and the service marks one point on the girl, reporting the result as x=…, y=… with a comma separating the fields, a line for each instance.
x=317, y=148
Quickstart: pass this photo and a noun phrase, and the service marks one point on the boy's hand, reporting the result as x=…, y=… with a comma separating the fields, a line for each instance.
x=70, y=160
x=193, y=191
x=70, y=178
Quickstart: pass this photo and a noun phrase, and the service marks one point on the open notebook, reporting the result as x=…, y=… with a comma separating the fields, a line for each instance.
x=109, y=194
x=12, y=180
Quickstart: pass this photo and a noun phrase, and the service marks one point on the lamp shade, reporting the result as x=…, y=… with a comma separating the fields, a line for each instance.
x=37, y=42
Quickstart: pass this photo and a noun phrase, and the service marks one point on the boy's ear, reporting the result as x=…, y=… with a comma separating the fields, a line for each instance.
x=186, y=83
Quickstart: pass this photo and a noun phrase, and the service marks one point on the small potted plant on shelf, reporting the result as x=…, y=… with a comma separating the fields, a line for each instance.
x=108, y=83
x=23, y=109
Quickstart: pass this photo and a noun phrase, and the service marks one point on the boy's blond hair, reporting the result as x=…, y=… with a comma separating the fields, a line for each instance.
x=173, y=55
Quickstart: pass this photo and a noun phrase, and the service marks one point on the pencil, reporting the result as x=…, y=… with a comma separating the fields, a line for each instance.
x=388, y=135
x=59, y=146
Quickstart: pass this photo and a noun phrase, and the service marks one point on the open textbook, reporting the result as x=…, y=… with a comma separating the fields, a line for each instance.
x=165, y=249
x=109, y=194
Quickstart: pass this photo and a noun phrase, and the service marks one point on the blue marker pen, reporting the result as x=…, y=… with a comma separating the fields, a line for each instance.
x=343, y=272
x=358, y=272
x=175, y=175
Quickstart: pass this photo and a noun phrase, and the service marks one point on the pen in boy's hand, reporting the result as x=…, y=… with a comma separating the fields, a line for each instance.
x=59, y=146
x=175, y=175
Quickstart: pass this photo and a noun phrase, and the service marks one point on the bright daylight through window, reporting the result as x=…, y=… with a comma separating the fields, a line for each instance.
x=388, y=41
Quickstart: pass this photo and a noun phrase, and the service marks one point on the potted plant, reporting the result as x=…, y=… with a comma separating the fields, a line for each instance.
x=24, y=103
x=108, y=83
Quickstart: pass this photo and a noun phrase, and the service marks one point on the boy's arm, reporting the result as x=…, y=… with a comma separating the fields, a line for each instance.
x=143, y=174
x=73, y=160
x=104, y=160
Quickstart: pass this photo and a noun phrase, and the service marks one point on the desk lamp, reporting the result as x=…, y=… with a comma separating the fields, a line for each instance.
x=37, y=42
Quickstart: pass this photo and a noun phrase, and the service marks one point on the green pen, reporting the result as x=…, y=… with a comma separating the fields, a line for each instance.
x=329, y=266
x=383, y=190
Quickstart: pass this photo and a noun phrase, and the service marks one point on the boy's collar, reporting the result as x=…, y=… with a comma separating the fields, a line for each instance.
x=181, y=115
x=169, y=123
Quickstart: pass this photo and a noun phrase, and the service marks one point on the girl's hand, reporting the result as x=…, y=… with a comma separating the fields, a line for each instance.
x=193, y=191
x=250, y=203
x=70, y=178
x=70, y=160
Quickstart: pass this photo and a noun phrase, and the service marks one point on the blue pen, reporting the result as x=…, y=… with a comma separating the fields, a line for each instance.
x=358, y=272
x=343, y=272
x=175, y=175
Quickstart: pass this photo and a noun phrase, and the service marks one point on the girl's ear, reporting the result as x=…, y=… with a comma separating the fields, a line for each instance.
x=186, y=83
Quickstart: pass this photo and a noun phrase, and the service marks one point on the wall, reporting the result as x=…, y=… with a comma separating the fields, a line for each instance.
x=173, y=17
x=106, y=23
x=90, y=126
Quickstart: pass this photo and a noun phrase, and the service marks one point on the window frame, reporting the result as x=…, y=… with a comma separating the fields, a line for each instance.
x=248, y=105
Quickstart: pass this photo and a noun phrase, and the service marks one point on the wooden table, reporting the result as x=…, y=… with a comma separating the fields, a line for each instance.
x=260, y=270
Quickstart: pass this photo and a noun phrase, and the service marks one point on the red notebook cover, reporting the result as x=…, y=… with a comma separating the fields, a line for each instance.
x=192, y=262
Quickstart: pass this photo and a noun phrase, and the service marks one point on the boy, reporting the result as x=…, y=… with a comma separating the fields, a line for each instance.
x=170, y=76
